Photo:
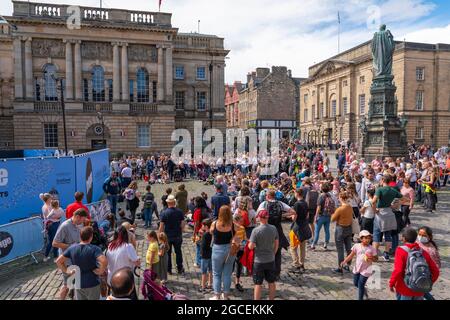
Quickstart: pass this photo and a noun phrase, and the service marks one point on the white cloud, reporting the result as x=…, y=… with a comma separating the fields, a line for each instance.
x=294, y=33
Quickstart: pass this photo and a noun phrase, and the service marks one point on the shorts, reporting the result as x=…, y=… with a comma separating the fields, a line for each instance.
x=206, y=266
x=264, y=271
x=378, y=235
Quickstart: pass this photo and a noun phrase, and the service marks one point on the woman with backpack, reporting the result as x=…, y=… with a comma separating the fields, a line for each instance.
x=325, y=208
x=201, y=212
x=132, y=196
x=149, y=207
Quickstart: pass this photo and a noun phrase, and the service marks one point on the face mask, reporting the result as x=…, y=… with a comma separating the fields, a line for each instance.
x=423, y=240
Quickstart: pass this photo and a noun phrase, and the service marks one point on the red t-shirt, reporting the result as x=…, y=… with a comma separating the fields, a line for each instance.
x=71, y=208
x=197, y=218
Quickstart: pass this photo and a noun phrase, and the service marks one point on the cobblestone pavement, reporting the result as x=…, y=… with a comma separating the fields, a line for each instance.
x=42, y=281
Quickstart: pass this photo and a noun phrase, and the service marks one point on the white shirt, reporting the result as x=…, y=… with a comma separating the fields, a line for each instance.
x=127, y=172
x=263, y=205
x=369, y=213
x=122, y=257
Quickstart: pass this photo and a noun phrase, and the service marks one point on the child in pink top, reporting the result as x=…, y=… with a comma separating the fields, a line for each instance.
x=365, y=255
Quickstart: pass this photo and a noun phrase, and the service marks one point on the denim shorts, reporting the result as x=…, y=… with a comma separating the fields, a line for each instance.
x=206, y=266
x=378, y=235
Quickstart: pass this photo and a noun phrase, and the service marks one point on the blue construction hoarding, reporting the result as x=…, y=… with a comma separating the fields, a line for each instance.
x=22, y=180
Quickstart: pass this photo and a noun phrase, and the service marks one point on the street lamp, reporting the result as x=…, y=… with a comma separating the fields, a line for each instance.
x=210, y=95
x=63, y=107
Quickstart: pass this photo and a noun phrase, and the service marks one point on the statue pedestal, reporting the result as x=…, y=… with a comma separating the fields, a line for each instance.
x=384, y=134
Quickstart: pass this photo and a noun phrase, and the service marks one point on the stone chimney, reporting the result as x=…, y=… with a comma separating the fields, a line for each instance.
x=261, y=73
x=278, y=70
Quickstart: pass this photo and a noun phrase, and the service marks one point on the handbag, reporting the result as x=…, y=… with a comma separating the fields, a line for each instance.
x=355, y=226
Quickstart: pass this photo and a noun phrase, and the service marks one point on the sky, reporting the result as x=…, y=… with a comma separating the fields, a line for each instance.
x=291, y=33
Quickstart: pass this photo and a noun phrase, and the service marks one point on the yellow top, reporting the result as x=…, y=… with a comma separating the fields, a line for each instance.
x=240, y=233
x=152, y=248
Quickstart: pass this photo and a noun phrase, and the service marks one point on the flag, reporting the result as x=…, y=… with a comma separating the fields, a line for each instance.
x=339, y=17
x=160, y=2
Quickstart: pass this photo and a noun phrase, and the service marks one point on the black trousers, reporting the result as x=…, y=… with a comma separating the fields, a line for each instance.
x=176, y=243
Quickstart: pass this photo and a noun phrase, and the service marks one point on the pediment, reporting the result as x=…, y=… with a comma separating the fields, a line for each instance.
x=331, y=66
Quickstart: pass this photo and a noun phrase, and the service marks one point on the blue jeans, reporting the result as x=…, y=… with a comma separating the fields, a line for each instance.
x=360, y=282
x=222, y=268
x=400, y=297
x=148, y=213
x=325, y=222
x=198, y=257
x=428, y=296
x=51, y=235
x=395, y=240
x=112, y=198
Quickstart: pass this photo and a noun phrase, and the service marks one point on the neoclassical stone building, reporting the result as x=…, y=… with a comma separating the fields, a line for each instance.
x=336, y=95
x=129, y=78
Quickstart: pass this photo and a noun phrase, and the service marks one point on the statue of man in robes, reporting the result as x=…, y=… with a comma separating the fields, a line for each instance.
x=383, y=47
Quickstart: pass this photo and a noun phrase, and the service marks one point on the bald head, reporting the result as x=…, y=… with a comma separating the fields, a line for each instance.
x=122, y=283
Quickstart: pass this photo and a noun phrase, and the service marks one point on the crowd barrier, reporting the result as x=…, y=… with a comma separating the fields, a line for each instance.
x=21, y=238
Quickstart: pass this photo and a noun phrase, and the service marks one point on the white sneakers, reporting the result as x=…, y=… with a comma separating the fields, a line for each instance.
x=219, y=297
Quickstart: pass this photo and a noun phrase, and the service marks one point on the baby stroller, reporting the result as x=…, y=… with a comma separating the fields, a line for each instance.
x=178, y=176
x=154, y=292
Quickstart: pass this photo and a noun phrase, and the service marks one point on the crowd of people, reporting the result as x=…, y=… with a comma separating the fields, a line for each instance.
x=240, y=228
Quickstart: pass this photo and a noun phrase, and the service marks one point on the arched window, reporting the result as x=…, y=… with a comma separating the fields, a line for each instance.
x=50, y=83
x=98, y=84
x=142, y=85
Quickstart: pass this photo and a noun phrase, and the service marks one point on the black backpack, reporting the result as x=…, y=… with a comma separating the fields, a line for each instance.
x=148, y=200
x=275, y=210
x=311, y=199
x=255, y=201
x=417, y=273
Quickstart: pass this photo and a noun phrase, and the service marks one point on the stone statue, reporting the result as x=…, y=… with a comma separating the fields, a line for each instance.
x=383, y=47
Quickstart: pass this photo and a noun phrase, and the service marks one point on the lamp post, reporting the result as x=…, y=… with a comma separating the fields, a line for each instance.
x=210, y=95
x=63, y=108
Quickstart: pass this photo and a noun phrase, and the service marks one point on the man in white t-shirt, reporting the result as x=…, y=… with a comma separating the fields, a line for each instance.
x=126, y=174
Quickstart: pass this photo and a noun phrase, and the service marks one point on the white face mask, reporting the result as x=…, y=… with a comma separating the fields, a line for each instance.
x=422, y=239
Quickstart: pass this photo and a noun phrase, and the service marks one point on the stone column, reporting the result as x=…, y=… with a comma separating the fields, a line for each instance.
x=169, y=75
x=18, y=72
x=28, y=69
x=125, y=84
x=116, y=72
x=160, y=89
x=78, y=72
x=69, y=71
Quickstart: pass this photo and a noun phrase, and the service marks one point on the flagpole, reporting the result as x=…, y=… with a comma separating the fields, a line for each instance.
x=339, y=33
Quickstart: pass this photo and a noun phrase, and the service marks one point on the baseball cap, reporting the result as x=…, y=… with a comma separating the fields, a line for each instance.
x=264, y=214
x=364, y=233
